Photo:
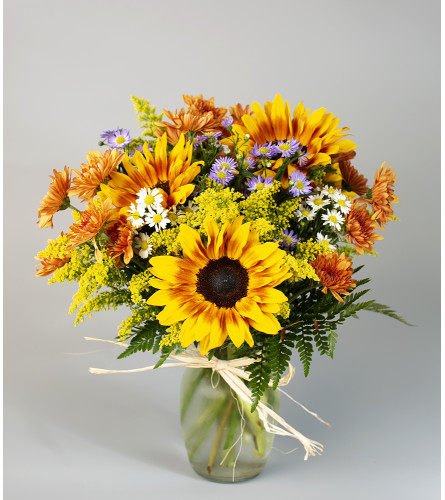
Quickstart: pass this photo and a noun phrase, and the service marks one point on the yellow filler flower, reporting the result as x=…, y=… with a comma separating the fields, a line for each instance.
x=220, y=289
x=172, y=173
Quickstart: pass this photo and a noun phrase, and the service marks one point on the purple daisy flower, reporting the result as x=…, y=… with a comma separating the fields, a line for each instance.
x=119, y=138
x=227, y=122
x=105, y=135
x=266, y=150
x=199, y=139
x=303, y=159
x=223, y=170
x=290, y=239
x=287, y=148
x=259, y=183
x=299, y=184
x=248, y=163
x=140, y=148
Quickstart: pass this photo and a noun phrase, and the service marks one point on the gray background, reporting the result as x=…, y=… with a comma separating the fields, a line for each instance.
x=70, y=68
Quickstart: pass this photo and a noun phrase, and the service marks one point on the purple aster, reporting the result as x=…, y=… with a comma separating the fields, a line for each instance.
x=287, y=148
x=259, y=183
x=290, y=239
x=201, y=138
x=248, y=163
x=140, y=148
x=266, y=150
x=119, y=138
x=303, y=159
x=227, y=122
x=105, y=135
x=223, y=170
x=299, y=184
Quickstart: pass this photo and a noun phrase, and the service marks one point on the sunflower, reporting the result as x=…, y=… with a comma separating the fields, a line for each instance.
x=383, y=195
x=56, y=199
x=360, y=227
x=317, y=132
x=91, y=221
x=201, y=116
x=121, y=237
x=172, y=173
x=220, y=289
x=96, y=170
x=335, y=273
x=50, y=264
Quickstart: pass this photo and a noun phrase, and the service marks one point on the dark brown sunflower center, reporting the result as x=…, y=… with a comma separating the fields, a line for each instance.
x=223, y=282
x=164, y=186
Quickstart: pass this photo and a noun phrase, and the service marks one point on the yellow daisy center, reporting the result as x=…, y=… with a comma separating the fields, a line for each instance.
x=318, y=201
x=120, y=139
x=260, y=186
x=136, y=215
x=284, y=147
x=221, y=174
x=157, y=218
x=149, y=199
x=305, y=212
x=144, y=245
x=333, y=219
x=342, y=203
x=265, y=151
x=288, y=240
x=299, y=184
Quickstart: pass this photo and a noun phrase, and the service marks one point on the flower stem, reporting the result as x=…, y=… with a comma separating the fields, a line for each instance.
x=218, y=436
x=190, y=393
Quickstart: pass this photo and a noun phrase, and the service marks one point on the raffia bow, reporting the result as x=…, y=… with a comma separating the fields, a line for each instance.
x=233, y=374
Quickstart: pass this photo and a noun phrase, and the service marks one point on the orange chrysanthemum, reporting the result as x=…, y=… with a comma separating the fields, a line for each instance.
x=335, y=273
x=91, y=222
x=50, y=264
x=98, y=167
x=316, y=131
x=360, y=227
x=172, y=173
x=56, y=198
x=383, y=195
x=237, y=112
x=121, y=237
x=201, y=116
x=352, y=180
x=222, y=288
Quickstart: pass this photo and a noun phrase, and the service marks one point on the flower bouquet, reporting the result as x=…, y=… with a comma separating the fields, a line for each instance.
x=229, y=236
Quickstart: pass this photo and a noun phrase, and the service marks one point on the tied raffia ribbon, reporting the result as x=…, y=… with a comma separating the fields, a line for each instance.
x=233, y=374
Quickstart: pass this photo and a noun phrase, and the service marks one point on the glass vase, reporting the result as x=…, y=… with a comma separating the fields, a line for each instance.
x=225, y=442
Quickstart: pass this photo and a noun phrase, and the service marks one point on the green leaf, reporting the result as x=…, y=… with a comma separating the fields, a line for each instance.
x=382, y=309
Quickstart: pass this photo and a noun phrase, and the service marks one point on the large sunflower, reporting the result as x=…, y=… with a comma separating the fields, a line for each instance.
x=220, y=289
x=316, y=131
x=172, y=173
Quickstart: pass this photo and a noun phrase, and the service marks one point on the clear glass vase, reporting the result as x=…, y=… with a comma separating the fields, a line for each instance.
x=225, y=442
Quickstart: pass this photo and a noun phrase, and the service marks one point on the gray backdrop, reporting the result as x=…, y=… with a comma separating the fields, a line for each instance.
x=70, y=68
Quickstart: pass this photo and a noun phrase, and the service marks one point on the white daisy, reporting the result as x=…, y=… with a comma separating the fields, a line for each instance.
x=141, y=243
x=305, y=213
x=149, y=197
x=136, y=215
x=330, y=191
x=157, y=217
x=190, y=207
x=333, y=218
x=321, y=238
x=343, y=203
x=316, y=201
